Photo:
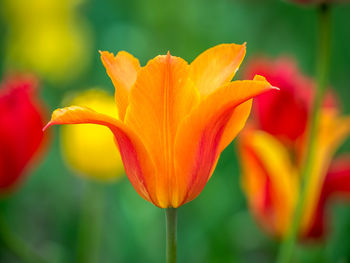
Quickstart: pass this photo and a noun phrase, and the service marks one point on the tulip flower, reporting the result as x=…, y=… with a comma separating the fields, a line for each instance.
x=283, y=114
x=21, y=141
x=336, y=186
x=271, y=157
x=86, y=142
x=21, y=122
x=91, y=152
x=174, y=119
x=36, y=27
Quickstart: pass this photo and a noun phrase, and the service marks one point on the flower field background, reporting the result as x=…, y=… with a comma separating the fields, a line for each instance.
x=68, y=217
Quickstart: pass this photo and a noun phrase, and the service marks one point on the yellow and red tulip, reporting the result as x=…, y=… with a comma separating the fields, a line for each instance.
x=271, y=156
x=174, y=119
x=336, y=186
x=89, y=149
x=21, y=123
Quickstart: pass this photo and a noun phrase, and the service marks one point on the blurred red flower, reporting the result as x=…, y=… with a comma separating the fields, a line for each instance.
x=272, y=150
x=336, y=186
x=21, y=123
x=283, y=114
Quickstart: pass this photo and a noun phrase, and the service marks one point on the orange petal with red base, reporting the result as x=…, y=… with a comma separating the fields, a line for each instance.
x=159, y=100
x=208, y=134
x=138, y=166
x=269, y=180
x=332, y=131
x=336, y=187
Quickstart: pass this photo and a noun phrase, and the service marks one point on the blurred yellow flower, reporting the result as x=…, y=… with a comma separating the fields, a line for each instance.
x=89, y=149
x=46, y=36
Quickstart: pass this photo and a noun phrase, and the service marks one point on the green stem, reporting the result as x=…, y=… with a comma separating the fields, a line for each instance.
x=322, y=70
x=90, y=231
x=171, y=225
x=17, y=246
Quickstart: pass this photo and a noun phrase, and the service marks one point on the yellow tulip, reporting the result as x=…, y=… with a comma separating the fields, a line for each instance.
x=46, y=36
x=89, y=149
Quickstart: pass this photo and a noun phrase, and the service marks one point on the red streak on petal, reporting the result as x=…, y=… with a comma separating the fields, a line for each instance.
x=133, y=154
x=132, y=163
x=262, y=202
x=207, y=155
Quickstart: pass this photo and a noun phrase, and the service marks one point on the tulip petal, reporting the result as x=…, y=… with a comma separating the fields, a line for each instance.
x=337, y=182
x=216, y=67
x=21, y=138
x=284, y=114
x=333, y=130
x=336, y=187
x=235, y=124
x=134, y=155
x=204, y=134
x=159, y=100
x=122, y=69
x=268, y=179
x=82, y=143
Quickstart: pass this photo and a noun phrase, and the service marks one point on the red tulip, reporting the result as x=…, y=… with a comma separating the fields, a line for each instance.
x=283, y=114
x=21, y=123
x=335, y=187
x=272, y=148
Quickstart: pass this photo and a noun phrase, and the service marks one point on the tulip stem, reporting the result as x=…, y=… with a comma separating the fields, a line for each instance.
x=90, y=229
x=171, y=225
x=17, y=246
x=322, y=71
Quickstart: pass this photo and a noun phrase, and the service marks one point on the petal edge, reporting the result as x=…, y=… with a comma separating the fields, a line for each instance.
x=139, y=168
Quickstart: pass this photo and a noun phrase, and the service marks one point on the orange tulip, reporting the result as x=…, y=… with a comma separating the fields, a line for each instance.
x=174, y=119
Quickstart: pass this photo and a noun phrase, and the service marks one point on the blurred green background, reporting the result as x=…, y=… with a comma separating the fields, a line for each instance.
x=215, y=227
